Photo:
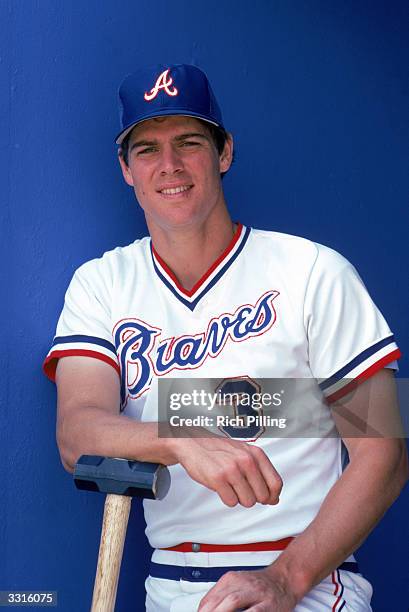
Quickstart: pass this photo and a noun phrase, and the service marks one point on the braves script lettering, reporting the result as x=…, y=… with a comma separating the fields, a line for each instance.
x=162, y=82
x=142, y=353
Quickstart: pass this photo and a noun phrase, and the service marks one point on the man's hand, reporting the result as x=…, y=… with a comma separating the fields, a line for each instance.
x=238, y=472
x=257, y=591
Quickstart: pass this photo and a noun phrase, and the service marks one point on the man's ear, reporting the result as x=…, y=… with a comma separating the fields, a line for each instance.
x=125, y=169
x=226, y=156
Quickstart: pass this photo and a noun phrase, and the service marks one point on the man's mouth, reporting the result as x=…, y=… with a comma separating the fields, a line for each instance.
x=175, y=190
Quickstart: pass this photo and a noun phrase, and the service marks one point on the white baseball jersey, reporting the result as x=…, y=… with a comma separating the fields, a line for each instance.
x=272, y=306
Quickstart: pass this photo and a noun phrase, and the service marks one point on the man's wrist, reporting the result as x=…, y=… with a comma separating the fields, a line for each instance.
x=170, y=446
x=177, y=443
x=292, y=578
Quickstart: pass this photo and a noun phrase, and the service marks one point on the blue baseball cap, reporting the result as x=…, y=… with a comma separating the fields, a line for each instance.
x=161, y=90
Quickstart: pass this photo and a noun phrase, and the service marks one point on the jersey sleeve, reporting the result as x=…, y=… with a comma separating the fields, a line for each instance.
x=348, y=338
x=84, y=326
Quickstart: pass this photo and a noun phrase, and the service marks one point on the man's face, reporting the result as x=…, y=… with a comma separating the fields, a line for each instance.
x=174, y=168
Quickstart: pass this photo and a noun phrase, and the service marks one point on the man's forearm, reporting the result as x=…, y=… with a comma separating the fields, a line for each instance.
x=90, y=430
x=354, y=505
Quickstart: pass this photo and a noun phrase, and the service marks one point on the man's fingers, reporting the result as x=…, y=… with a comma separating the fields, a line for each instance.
x=233, y=601
x=236, y=491
x=243, y=490
x=216, y=597
x=236, y=471
x=249, y=479
x=227, y=495
x=270, y=475
x=256, y=480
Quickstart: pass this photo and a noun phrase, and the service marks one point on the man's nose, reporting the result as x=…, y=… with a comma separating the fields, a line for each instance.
x=170, y=161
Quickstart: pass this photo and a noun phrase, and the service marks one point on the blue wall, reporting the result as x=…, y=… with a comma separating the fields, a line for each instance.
x=317, y=96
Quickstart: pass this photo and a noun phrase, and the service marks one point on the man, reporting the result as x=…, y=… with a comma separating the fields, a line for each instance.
x=250, y=522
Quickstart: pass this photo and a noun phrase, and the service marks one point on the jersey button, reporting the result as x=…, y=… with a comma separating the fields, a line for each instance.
x=196, y=573
x=195, y=547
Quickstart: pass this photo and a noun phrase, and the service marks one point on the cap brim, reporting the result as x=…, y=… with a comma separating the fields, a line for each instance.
x=169, y=112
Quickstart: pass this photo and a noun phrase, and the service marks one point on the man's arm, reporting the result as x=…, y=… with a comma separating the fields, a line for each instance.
x=377, y=471
x=89, y=419
x=89, y=422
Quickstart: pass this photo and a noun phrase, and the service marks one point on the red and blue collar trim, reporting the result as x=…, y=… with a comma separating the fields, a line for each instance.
x=192, y=297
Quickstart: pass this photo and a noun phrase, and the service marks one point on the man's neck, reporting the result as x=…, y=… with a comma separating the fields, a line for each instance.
x=190, y=252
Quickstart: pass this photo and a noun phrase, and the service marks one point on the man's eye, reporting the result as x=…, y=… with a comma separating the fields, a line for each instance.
x=146, y=150
x=189, y=143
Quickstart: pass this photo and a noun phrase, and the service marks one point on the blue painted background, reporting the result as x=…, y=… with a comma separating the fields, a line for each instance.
x=317, y=96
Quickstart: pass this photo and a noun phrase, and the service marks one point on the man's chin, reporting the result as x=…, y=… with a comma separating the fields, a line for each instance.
x=177, y=219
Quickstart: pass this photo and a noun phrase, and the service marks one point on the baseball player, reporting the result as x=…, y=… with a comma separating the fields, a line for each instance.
x=251, y=521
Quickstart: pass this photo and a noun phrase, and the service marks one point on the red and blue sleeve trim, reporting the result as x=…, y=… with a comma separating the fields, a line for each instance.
x=362, y=367
x=82, y=346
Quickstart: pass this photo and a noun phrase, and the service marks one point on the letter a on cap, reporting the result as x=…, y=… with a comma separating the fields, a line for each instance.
x=162, y=82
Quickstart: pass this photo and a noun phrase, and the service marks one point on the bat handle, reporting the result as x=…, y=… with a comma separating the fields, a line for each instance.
x=116, y=515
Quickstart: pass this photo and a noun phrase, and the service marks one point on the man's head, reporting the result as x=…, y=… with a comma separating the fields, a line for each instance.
x=172, y=138
x=168, y=90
